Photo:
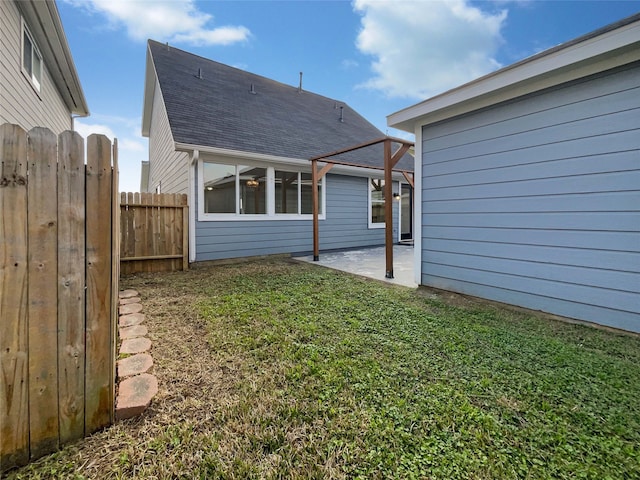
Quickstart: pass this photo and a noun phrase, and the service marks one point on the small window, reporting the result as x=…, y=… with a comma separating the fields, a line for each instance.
x=376, y=202
x=31, y=59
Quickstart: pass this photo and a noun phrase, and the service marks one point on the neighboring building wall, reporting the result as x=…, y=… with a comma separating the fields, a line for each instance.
x=167, y=168
x=536, y=202
x=19, y=101
x=346, y=226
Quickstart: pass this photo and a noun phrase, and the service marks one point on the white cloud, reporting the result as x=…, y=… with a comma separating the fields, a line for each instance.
x=86, y=129
x=424, y=48
x=131, y=145
x=177, y=21
x=348, y=64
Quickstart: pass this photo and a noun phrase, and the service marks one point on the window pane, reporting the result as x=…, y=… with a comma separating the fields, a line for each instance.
x=306, y=194
x=26, y=53
x=219, y=188
x=37, y=69
x=286, y=192
x=376, y=189
x=253, y=190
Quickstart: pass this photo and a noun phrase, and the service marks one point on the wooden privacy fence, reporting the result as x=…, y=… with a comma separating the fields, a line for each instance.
x=58, y=289
x=154, y=232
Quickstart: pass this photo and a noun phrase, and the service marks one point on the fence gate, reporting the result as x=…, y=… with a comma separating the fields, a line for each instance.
x=58, y=289
x=154, y=232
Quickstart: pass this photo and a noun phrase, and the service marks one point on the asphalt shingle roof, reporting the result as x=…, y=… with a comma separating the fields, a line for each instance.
x=220, y=110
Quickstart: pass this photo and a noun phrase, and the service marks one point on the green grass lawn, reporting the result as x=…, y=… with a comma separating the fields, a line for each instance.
x=330, y=376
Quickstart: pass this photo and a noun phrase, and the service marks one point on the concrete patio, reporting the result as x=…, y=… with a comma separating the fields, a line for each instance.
x=370, y=262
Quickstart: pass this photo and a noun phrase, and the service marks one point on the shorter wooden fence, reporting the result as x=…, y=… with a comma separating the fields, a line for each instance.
x=58, y=289
x=154, y=232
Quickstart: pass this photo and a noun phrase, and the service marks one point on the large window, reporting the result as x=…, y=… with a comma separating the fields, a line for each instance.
x=235, y=189
x=376, y=203
x=239, y=190
x=31, y=59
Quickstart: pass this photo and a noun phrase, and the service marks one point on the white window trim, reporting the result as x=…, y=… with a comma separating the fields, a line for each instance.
x=369, y=205
x=271, y=196
x=36, y=84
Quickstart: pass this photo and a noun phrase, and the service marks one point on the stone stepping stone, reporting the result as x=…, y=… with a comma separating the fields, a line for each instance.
x=135, y=394
x=135, y=345
x=128, y=294
x=134, y=365
x=134, y=331
x=131, y=308
x=127, y=301
x=131, y=320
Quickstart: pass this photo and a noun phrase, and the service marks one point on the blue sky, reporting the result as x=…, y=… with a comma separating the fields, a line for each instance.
x=378, y=56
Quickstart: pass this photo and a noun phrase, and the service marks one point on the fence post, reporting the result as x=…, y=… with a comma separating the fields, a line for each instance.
x=115, y=269
x=14, y=382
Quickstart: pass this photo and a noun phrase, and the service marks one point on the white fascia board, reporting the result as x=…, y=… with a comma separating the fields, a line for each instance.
x=149, y=91
x=558, y=65
x=238, y=156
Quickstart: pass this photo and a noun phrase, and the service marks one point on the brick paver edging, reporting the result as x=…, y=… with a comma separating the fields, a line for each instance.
x=136, y=385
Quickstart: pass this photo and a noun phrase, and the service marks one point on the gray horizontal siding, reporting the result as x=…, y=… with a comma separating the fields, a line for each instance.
x=167, y=168
x=536, y=202
x=19, y=102
x=345, y=226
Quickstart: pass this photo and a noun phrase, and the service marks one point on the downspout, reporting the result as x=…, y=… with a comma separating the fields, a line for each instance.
x=73, y=118
x=192, y=208
x=417, y=207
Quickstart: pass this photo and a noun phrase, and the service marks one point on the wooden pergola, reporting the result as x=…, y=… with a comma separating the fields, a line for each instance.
x=390, y=161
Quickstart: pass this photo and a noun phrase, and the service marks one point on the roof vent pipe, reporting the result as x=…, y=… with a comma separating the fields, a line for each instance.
x=342, y=114
x=167, y=46
x=300, y=86
x=200, y=73
x=253, y=90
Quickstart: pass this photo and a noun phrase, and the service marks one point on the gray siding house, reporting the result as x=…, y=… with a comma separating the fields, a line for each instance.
x=239, y=145
x=528, y=183
x=39, y=85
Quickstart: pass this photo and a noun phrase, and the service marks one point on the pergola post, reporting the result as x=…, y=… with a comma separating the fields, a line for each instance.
x=315, y=177
x=388, y=209
x=390, y=161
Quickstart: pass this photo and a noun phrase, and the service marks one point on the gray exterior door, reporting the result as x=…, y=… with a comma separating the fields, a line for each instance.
x=536, y=202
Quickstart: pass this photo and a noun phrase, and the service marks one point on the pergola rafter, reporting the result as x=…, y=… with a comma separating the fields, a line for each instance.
x=390, y=161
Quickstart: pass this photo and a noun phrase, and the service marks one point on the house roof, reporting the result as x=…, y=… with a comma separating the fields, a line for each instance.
x=603, y=49
x=214, y=105
x=45, y=25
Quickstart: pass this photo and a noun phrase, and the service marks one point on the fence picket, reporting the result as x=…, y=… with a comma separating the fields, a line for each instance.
x=71, y=281
x=98, y=393
x=42, y=217
x=14, y=412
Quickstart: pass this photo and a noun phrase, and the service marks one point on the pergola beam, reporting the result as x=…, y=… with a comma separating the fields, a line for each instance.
x=408, y=177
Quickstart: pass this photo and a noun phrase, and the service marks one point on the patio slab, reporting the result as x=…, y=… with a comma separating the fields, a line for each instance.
x=370, y=262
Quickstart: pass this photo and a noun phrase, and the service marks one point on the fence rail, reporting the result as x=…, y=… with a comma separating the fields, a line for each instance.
x=58, y=289
x=154, y=232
